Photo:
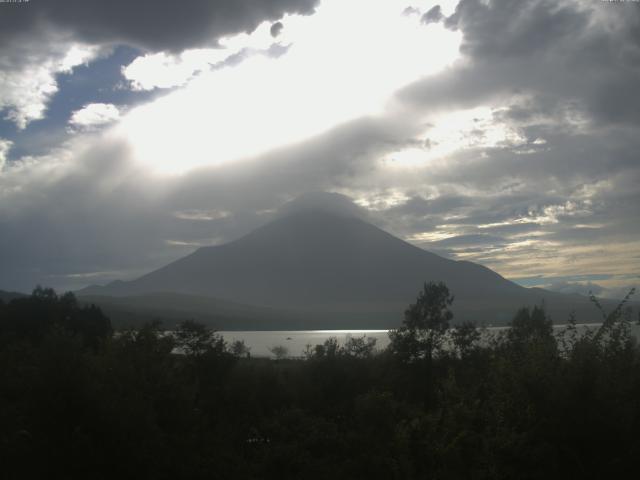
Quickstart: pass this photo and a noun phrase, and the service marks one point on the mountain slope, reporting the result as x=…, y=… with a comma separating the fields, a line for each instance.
x=314, y=259
x=325, y=263
x=8, y=296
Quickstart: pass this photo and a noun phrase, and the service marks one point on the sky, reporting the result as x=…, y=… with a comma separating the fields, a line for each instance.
x=497, y=131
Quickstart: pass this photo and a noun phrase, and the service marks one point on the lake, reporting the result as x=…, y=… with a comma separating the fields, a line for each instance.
x=295, y=341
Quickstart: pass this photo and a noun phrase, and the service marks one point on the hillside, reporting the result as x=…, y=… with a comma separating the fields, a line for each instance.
x=8, y=296
x=327, y=266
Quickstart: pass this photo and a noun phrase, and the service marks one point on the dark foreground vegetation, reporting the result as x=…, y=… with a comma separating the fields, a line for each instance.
x=78, y=401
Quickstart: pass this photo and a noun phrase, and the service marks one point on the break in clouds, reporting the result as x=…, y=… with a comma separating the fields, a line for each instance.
x=500, y=132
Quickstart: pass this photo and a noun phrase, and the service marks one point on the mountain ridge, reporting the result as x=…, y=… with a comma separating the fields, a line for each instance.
x=326, y=263
x=317, y=243
x=6, y=296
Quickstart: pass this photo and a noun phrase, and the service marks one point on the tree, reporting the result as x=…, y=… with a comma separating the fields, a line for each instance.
x=195, y=339
x=43, y=312
x=425, y=323
x=610, y=320
x=464, y=338
x=279, y=351
x=359, y=347
x=530, y=326
x=240, y=349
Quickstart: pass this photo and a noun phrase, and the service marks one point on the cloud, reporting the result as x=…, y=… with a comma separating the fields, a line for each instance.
x=581, y=288
x=153, y=25
x=5, y=146
x=555, y=79
x=333, y=203
x=165, y=70
x=518, y=29
x=615, y=288
x=277, y=100
x=521, y=155
x=161, y=70
x=433, y=15
x=470, y=240
x=41, y=40
x=275, y=29
x=582, y=52
x=28, y=74
x=408, y=11
x=90, y=203
x=94, y=115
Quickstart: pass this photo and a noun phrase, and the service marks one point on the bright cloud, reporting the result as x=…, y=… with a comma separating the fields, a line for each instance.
x=456, y=131
x=342, y=63
x=5, y=146
x=163, y=70
x=94, y=115
x=28, y=81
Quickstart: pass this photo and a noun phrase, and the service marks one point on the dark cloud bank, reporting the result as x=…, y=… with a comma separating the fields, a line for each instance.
x=154, y=25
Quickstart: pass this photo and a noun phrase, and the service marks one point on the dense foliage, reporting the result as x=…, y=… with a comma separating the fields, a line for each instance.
x=78, y=401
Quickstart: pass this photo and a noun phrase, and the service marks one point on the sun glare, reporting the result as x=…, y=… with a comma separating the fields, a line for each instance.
x=342, y=63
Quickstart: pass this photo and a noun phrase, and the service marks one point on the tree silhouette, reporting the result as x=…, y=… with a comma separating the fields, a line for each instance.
x=425, y=323
x=33, y=318
x=279, y=351
x=195, y=339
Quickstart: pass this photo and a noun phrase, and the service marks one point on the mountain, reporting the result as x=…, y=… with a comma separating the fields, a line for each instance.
x=172, y=308
x=327, y=263
x=6, y=297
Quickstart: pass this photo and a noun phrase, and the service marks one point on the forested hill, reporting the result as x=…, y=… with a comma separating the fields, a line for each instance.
x=8, y=296
x=78, y=401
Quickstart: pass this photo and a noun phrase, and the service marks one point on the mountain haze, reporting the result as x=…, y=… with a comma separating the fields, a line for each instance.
x=320, y=260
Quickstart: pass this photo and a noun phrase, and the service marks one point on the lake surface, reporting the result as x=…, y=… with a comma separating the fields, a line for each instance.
x=295, y=341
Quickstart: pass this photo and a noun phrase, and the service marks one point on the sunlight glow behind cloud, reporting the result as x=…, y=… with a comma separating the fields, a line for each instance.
x=455, y=131
x=344, y=62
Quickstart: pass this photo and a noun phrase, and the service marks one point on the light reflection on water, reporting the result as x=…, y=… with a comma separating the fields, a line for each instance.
x=295, y=341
